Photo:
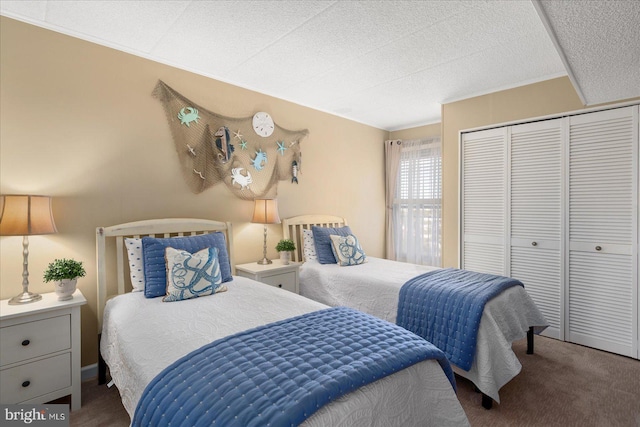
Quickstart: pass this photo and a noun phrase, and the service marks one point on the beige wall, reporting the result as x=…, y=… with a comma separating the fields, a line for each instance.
x=78, y=122
x=417, y=132
x=534, y=100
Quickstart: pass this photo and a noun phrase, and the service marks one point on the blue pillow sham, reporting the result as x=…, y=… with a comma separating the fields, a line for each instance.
x=153, y=252
x=323, y=241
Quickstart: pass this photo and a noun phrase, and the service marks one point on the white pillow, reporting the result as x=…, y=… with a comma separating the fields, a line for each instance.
x=136, y=265
x=347, y=250
x=308, y=246
x=192, y=275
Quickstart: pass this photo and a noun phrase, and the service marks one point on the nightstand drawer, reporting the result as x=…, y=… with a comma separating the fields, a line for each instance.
x=286, y=281
x=35, y=379
x=32, y=339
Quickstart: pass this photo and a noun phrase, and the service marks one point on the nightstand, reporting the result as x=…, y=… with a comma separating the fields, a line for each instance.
x=276, y=274
x=40, y=342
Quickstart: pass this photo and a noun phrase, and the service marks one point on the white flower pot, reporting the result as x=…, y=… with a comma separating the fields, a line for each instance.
x=285, y=257
x=65, y=288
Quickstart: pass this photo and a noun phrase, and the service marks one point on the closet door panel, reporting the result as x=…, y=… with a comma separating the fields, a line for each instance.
x=539, y=270
x=602, y=204
x=484, y=187
x=601, y=312
x=536, y=221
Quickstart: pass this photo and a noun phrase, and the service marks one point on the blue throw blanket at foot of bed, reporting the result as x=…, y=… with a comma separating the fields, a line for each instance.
x=445, y=307
x=280, y=374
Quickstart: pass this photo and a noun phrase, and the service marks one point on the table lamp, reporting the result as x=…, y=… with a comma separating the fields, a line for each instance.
x=25, y=215
x=265, y=211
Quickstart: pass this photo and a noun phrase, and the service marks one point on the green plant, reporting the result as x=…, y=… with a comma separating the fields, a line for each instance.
x=285, y=245
x=63, y=269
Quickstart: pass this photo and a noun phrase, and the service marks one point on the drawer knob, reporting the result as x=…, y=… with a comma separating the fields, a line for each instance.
x=26, y=343
x=534, y=243
x=280, y=285
x=26, y=383
x=598, y=248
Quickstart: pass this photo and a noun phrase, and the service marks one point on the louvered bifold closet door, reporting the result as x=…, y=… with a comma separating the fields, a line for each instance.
x=536, y=216
x=483, y=184
x=603, y=197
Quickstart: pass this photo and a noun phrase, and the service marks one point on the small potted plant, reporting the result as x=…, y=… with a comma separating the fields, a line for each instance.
x=64, y=272
x=284, y=248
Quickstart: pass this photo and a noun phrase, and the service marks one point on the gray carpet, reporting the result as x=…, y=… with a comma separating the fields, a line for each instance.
x=561, y=384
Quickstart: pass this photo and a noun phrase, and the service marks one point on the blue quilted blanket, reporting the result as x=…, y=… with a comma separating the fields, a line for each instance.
x=280, y=374
x=445, y=307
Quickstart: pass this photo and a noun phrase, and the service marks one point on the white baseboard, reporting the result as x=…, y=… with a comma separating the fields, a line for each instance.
x=88, y=372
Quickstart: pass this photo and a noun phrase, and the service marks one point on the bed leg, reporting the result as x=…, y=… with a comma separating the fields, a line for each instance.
x=530, y=340
x=487, y=402
x=102, y=366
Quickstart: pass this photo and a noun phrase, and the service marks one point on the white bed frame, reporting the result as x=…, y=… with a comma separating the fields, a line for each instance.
x=168, y=227
x=292, y=228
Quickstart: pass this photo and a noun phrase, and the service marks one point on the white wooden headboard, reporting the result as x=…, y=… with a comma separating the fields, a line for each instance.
x=292, y=228
x=168, y=227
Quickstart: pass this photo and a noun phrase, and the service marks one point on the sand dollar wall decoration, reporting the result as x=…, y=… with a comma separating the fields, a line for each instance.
x=248, y=154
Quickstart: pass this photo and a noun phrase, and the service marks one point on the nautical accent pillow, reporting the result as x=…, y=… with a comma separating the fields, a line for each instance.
x=308, y=246
x=136, y=268
x=155, y=273
x=192, y=275
x=323, y=242
x=347, y=250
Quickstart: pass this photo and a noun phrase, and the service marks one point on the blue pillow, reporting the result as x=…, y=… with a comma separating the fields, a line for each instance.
x=323, y=241
x=155, y=273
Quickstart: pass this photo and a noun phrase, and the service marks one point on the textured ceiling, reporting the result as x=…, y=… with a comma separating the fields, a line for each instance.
x=389, y=64
x=600, y=45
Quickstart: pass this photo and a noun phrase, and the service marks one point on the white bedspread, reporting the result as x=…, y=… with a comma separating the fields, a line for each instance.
x=142, y=336
x=374, y=287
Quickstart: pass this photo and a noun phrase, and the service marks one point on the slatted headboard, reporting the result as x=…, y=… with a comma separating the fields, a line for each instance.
x=168, y=227
x=292, y=228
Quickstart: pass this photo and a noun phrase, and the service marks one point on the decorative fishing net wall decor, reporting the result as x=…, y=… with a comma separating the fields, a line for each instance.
x=250, y=154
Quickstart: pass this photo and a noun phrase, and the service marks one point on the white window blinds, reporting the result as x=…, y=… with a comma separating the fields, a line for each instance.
x=417, y=208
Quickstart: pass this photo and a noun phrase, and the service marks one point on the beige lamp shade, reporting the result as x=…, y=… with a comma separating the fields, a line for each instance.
x=265, y=211
x=22, y=215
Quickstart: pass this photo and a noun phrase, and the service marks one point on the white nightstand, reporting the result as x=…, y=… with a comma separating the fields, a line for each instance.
x=40, y=358
x=276, y=274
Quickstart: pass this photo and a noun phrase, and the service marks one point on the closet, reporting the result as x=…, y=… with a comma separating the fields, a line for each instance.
x=554, y=203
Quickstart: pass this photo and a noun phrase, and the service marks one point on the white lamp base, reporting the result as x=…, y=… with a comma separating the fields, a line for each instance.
x=25, y=298
x=265, y=261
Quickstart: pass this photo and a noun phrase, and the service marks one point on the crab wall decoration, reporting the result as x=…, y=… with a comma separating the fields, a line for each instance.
x=238, y=178
x=187, y=117
x=260, y=160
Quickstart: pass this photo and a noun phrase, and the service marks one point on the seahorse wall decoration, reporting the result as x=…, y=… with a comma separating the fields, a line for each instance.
x=223, y=144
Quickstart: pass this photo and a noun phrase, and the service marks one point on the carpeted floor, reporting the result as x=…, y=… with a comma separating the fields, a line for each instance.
x=561, y=384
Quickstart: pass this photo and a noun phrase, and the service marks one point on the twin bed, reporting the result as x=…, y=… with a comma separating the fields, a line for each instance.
x=374, y=286
x=143, y=339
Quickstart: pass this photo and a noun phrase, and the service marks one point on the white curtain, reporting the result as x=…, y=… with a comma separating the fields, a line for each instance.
x=392, y=162
x=417, y=203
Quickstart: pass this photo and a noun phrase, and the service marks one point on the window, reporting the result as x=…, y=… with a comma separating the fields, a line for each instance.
x=417, y=208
